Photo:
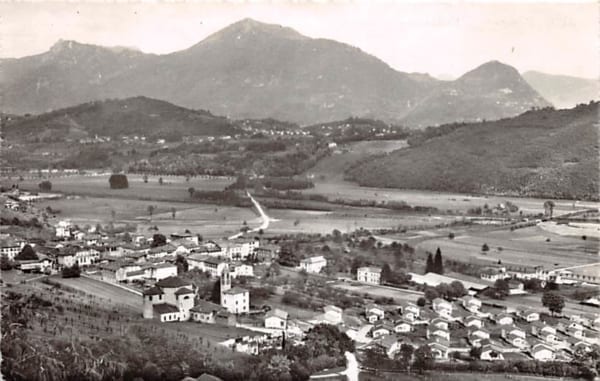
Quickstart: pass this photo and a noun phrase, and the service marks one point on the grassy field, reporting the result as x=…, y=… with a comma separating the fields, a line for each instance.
x=436, y=376
x=336, y=188
x=174, y=188
x=528, y=246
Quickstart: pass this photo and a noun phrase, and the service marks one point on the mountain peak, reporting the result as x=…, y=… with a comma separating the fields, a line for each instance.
x=492, y=68
x=251, y=27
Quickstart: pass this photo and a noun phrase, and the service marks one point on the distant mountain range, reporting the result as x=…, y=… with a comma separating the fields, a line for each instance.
x=255, y=70
x=543, y=153
x=564, y=91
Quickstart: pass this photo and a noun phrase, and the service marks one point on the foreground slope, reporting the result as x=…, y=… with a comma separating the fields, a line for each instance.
x=544, y=153
x=256, y=70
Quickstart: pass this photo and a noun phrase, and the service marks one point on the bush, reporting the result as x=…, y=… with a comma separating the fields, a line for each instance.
x=118, y=181
x=71, y=272
x=45, y=186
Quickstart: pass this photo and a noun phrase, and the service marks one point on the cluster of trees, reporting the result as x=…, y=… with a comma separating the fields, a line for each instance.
x=500, y=289
x=435, y=264
x=444, y=290
x=553, y=301
x=71, y=272
x=118, y=181
x=45, y=186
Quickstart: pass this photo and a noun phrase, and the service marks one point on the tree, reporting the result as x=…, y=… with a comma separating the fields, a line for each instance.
x=160, y=181
x=431, y=293
x=502, y=288
x=71, y=272
x=457, y=289
x=173, y=212
x=45, y=186
x=548, y=208
x=386, y=273
x=554, y=301
x=182, y=264
x=404, y=355
x=118, y=181
x=158, y=240
x=145, y=178
x=423, y=358
x=475, y=352
x=27, y=253
x=438, y=264
x=151, y=209
x=5, y=263
x=215, y=295
x=429, y=266
x=421, y=301
x=191, y=191
x=485, y=247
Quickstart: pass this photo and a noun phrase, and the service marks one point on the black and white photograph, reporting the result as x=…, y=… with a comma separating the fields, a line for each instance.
x=300, y=190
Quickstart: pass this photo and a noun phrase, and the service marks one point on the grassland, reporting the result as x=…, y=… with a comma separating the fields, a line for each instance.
x=436, y=376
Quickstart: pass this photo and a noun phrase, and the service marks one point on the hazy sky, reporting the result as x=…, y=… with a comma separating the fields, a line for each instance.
x=441, y=38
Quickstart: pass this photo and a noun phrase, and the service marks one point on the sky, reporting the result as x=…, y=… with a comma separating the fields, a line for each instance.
x=445, y=39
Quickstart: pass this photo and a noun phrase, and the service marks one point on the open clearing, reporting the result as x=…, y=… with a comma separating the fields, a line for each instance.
x=526, y=246
x=173, y=188
x=336, y=188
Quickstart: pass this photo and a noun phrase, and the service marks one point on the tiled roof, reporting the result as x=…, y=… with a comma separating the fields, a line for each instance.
x=235, y=290
x=184, y=291
x=164, y=308
x=276, y=312
x=173, y=282
x=153, y=291
x=206, y=306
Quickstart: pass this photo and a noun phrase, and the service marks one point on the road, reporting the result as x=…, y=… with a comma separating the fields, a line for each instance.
x=265, y=219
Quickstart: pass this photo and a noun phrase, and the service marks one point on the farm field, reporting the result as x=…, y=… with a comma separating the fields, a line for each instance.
x=336, y=188
x=435, y=376
x=109, y=293
x=175, y=188
x=376, y=292
x=528, y=246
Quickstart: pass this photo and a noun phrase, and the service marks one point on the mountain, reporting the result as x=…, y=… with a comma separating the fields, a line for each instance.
x=114, y=118
x=563, y=91
x=252, y=70
x=542, y=153
x=491, y=91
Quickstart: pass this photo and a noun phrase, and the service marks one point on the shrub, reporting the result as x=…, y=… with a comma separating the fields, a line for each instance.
x=45, y=186
x=118, y=181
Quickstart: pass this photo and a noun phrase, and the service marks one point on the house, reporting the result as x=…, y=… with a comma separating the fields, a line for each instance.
x=442, y=307
x=186, y=236
x=242, y=269
x=205, y=312
x=333, y=313
x=240, y=248
x=10, y=248
x=513, y=330
x=438, y=332
x=64, y=229
x=381, y=329
x=313, y=264
x=276, y=319
x=537, y=328
x=369, y=274
x=410, y=311
x=488, y=353
x=473, y=321
x=492, y=274
x=42, y=264
x=267, y=253
x=390, y=344
x=542, y=352
x=402, y=326
x=471, y=303
x=213, y=266
x=504, y=319
x=529, y=315
x=476, y=335
x=170, y=299
x=160, y=271
x=439, y=323
x=69, y=255
x=438, y=350
x=373, y=312
x=516, y=340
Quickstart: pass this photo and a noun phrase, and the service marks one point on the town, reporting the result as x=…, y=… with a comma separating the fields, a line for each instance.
x=265, y=297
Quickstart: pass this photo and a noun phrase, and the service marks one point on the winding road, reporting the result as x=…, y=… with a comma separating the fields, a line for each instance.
x=265, y=219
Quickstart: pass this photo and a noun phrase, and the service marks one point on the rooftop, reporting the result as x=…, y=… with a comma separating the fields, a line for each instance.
x=235, y=291
x=173, y=282
x=164, y=308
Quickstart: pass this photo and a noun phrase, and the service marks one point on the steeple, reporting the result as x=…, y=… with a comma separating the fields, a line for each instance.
x=225, y=282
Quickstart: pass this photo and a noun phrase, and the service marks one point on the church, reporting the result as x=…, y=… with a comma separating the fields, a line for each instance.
x=174, y=299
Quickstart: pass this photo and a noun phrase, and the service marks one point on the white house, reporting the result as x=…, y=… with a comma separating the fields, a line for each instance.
x=473, y=321
x=471, y=303
x=171, y=299
x=64, y=229
x=504, y=319
x=369, y=274
x=205, y=312
x=210, y=265
x=529, y=315
x=411, y=311
x=488, y=353
x=402, y=326
x=242, y=269
x=542, y=352
x=439, y=350
x=442, y=307
x=10, y=248
x=373, y=312
x=276, y=319
x=70, y=255
x=313, y=264
x=439, y=323
x=438, y=332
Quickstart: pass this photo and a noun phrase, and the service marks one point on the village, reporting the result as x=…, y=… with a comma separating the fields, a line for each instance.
x=454, y=318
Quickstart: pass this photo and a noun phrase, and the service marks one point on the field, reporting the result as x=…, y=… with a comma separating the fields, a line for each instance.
x=377, y=292
x=174, y=188
x=527, y=246
x=435, y=376
x=335, y=188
